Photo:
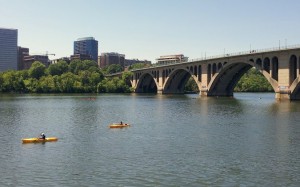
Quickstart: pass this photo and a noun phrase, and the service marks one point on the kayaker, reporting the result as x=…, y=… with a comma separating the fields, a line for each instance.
x=121, y=123
x=43, y=136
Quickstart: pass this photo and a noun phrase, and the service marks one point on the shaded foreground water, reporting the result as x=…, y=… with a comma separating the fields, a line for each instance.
x=248, y=140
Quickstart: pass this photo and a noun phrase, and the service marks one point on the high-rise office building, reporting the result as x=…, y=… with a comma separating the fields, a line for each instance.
x=30, y=59
x=8, y=49
x=107, y=59
x=86, y=46
x=22, y=53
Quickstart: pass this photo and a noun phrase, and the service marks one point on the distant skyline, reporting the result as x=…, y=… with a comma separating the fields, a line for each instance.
x=151, y=28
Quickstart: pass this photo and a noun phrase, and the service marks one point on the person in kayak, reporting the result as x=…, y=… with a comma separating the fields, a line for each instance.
x=43, y=136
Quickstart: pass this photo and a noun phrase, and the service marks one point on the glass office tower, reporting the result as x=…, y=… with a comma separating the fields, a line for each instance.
x=8, y=49
x=87, y=46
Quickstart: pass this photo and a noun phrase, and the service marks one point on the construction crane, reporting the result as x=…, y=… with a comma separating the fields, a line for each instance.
x=47, y=54
x=43, y=54
x=41, y=57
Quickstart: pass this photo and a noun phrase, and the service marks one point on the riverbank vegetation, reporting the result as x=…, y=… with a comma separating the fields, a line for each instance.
x=252, y=81
x=85, y=77
x=76, y=77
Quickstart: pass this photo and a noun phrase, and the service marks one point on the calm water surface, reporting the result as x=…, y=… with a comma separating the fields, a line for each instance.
x=248, y=140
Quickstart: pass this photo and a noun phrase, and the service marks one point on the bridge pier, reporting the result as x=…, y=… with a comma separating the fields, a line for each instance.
x=159, y=91
x=283, y=92
x=282, y=96
x=203, y=93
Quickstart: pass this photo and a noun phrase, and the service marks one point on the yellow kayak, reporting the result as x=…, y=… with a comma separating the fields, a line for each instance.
x=118, y=125
x=39, y=140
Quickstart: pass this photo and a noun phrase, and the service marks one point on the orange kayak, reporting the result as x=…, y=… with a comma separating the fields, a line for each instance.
x=39, y=140
x=118, y=125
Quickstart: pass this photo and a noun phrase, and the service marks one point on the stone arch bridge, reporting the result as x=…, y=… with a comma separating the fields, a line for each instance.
x=217, y=76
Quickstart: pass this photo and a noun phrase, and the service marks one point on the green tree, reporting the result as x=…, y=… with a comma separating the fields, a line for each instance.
x=12, y=81
x=95, y=78
x=101, y=87
x=24, y=74
x=126, y=76
x=58, y=68
x=138, y=66
x=191, y=86
x=87, y=64
x=74, y=66
x=77, y=65
x=47, y=84
x=37, y=70
x=31, y=85
x=113, y=68
x=69, y=83
x=94, y=69
x=253, y=81
x=111, y=86
x=1, y=82
x=84, y=77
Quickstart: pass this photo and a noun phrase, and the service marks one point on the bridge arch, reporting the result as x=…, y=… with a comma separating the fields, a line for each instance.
x=199, y=73
x=220, y=66
x=214, y=69
x=295, y=89
x=177, y=80
x=267, y=65
x=146, y=84
x=208, y=73
x=293, y=68
x=275, y=68
x=224, y=82
x=259, y=63
x=294, y=77
x=191, y=69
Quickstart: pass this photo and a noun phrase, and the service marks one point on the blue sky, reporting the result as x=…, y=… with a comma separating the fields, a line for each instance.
x=147, y=29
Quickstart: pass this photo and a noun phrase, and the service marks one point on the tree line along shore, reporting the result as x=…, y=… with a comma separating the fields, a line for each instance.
x=85, y=77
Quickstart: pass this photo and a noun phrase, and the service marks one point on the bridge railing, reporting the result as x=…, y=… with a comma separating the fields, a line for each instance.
x=279, y=48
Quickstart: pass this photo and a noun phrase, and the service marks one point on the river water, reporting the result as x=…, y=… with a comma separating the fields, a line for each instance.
x=174, y=140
